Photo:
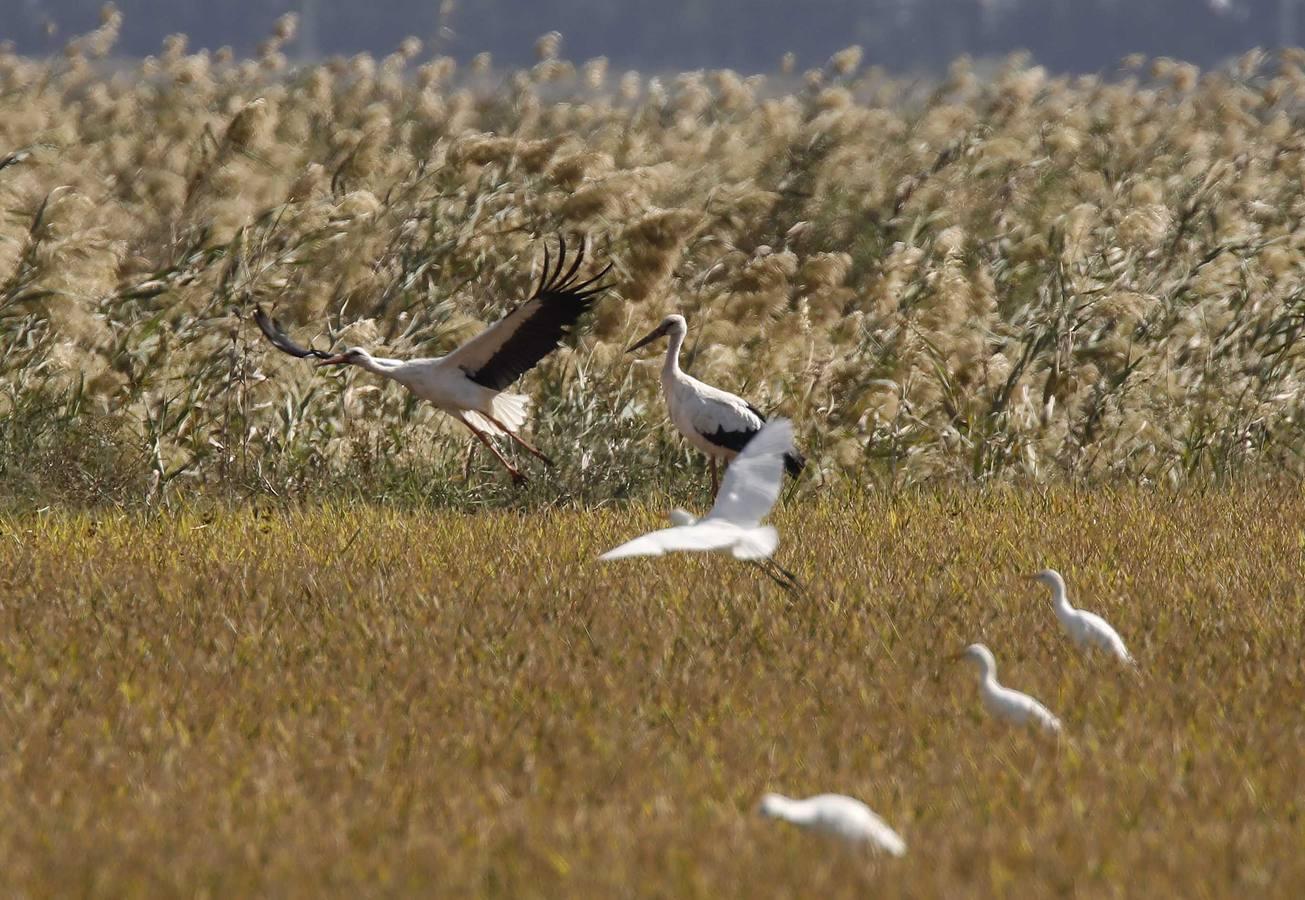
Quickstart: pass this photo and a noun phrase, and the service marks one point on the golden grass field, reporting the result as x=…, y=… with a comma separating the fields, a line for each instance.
x=354, y=699
x=269, y=631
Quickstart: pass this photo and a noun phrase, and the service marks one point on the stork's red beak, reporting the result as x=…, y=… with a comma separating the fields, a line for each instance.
x=338, y=360
x=647, y=339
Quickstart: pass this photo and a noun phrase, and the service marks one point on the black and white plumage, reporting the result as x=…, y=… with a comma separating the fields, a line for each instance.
x=718, y=423
x=469, y=382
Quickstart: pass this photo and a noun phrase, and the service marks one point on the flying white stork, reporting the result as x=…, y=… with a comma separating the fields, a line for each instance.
x=1003, y=702
x=468, y=383
x=1085, y=629
x=747, y=494
x=836, y=814
x=718, y=423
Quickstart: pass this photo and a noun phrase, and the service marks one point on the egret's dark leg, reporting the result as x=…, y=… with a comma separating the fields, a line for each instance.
x=517, y=477
x=520, y=440
x=780, y=575
x=715, y=482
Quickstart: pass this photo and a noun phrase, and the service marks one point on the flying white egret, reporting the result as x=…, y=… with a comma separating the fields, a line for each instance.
x=836, y=814
x=1003, y=702
x=1086, y=630
x=469, y=382
x=781, y=576
x=747, y=494
x=718, y=423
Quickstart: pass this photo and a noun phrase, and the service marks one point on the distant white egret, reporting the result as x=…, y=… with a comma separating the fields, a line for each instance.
x=1085, y=629
x=718, y=423
x=747, y=494
x=1003, y=702
x=469, y=383
x=844, y=817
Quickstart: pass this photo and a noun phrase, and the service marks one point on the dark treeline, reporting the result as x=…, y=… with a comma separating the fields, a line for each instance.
x=748, y=35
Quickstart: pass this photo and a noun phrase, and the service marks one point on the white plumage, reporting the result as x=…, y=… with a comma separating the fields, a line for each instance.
x=469, y=383
x=1003, y=702
x=716, y=422
x=747, y=495
x=836, y=814
x=1085, y=629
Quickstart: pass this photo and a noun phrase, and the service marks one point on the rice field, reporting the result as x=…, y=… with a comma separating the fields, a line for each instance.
x=355, y=700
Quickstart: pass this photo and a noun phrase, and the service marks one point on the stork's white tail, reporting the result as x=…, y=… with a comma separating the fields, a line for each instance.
x=511, y=410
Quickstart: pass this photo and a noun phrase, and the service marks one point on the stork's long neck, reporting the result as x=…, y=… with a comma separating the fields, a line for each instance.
x=380, y=365
x=671, y=368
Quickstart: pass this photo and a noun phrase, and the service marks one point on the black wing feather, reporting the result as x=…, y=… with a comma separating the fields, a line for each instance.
x=273, y=331
x=562, y=301
x=735, y=441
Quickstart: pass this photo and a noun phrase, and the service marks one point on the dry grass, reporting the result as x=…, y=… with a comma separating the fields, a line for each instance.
x=1009, y=276
x=359, y=699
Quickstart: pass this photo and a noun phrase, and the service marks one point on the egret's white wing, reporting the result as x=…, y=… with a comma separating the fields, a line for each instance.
x=753, y=480
x=699, y=536
x=1022, y=708
x=1100, y=632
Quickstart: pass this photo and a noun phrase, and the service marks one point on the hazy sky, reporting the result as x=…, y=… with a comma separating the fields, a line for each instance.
x=750, y=35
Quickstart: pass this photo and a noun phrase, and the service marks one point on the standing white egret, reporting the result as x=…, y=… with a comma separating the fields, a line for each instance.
x=747, y=494
x=1085, y=629
x=836, y=814
x=718, y=423
x=1003, y=702
x=469, y=382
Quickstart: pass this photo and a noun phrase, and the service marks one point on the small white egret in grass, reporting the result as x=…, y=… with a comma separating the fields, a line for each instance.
x=1085, y=629
x=1002, y=702
x=844, y=817
x=747, y=494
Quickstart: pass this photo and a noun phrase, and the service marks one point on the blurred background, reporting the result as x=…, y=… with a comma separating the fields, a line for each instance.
x=748, y=35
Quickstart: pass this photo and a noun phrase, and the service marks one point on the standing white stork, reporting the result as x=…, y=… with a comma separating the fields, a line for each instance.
x=469, y=382
x=1085, y=629
x=836, y=814
x=718, y=423
x=1003, y=702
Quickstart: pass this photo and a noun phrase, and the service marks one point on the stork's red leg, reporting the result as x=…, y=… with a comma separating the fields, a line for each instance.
x=520, y=440
x=517, y=477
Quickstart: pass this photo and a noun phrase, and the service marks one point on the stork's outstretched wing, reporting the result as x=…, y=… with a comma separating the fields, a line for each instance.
x=514, y=344
x=273, y=331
